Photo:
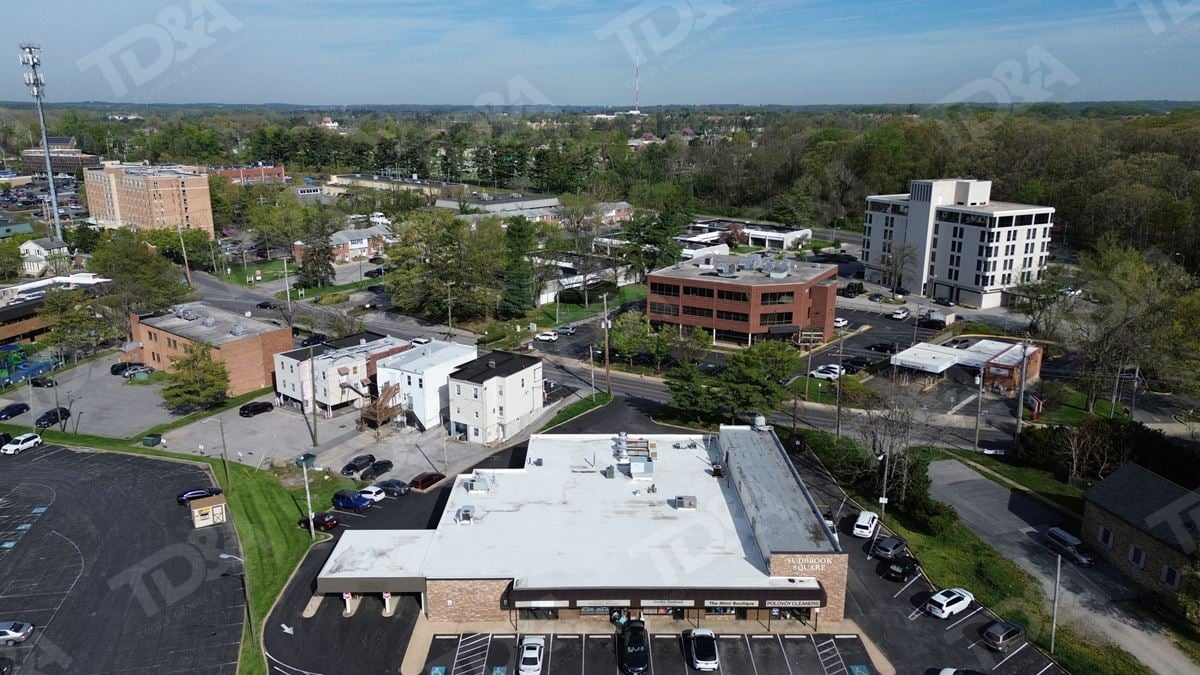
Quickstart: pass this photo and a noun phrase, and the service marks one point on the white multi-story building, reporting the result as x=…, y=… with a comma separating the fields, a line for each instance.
x=495, y=396
x=421, y=375
x=341, y=368
x=947, y=239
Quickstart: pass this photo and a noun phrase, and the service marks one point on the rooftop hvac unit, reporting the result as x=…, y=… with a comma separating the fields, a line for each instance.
x=178, y=310
x=208, y=322
x=190, y=315
x=685, y=503
x=778, y=273
x=465, y=515
x=477, y=486
x=237, y=329
x=727, y=270
x=768, y=267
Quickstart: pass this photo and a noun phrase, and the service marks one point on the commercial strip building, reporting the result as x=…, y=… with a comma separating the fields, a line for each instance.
x=947, y=239
x=343, y=370
x=144, y=196
x=245, y=345
x=341, y=183
x=65, y=159
x=1144, y=525
x=262, y=174
x=695, y=527
x=418, y=380
x=498, y=203
x=495, y=396
x=743, y=299
x=999, y=361
x=574, y=271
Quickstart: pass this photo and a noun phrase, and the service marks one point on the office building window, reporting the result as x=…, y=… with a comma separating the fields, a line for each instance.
x=775, y=319
x=671, y=290
x=1170, y=576
x=739, y=317
x=698, y=311
x=786, y=298
x=1137, y=556
x=662, y=308
x=458, y=390
x=698, y=291
x=733, y=296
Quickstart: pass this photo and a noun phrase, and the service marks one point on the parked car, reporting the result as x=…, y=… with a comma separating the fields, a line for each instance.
x=889, y=548
x=374, y=274
x=703, y=647
x=324, y=521
x=349, y=499
x=533, y=647
x=7, y=666
x=187, y=496
x=12, y=632
x=864, y=526
x=633, y=649
x=393, y=487
x=932, y=324
x=948, y=602
x=376, y=288
x=267, y=304
x=51, y=417
x=136, y=369
x=5, y=438
x=943, y=302
x=901, y=314
x=376, y=470
x=20, y=444
x=256, y=408
x=43, y=381
x=548, y=336
x=841, y=322
x=1069, y=546
x=883, y=347
x=1000, y=635
x=829, y=372
x=566, y=330
x=357, y=464
x=859, y=361
x=375, y=494
x=712, y=369
x=902, y=569
x=426, y=480
x=314, y=340
x=959, y=343
x=12, y=410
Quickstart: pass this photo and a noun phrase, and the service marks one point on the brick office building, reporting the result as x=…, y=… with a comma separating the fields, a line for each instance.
x=246, y=346
x=1144, y=525
x=697, y=528
x=742, y=299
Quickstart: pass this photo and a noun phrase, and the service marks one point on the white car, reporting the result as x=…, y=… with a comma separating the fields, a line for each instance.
x=840, y=322
x=901, y=314
x=864, y=526
x=21, y=443
x=532, y=649
x=948, y=602
x=548, y=336
x=375, y=494
x=829, y=372
x=703, y=646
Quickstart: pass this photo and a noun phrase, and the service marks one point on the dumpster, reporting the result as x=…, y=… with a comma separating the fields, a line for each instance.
x=151, y=440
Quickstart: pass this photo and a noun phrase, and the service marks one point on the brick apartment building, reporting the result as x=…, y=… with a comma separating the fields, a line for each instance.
x=246, y=346
x=148, y=197
x=1145, y=526
x=742, y=299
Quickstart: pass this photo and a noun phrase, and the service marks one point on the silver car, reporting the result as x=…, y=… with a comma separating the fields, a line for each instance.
x=12, y=632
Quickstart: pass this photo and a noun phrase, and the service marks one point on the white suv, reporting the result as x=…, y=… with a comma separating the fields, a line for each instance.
x=21, y=443
x=901, y=314
x=948, y=602
x=865, y=526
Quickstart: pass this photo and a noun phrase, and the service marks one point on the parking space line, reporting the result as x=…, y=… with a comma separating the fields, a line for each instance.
x=905, y=586
x=46, y=454
x=750, y=651
x=977, y=610
x=348, y=513
x=785, y=655
x=1015, y=651
x=1048, y=666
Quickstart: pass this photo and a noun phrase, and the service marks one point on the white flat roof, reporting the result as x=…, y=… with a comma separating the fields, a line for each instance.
x=421, y=357
x=378, y=554
x=932, y=358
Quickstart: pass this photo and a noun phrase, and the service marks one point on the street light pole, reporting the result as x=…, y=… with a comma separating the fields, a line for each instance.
x=978, y=408
x=837, y=425
x=31, y=58
x=224, y=451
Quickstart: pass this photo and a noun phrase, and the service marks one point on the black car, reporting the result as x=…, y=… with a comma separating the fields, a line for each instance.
x=324, y=521
x=376, y=470
x=357, y=464
x=883, y=347
x=944, y=302
x=374, y=274
x=267, y=304
x=393, y=487
x=43, y=382
x=860, y=361
x=52, y=417
x=376, y=288
x=255, y=408
x=12, y=410
x=633, y=649
x=119, y=368
x=187, y=496
x=902, y=569
x=932, y=324
x=5, y=438
x=875, y=297
x=314, y=340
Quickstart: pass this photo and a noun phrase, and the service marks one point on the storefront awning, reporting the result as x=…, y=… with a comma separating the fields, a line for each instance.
x=807, y=595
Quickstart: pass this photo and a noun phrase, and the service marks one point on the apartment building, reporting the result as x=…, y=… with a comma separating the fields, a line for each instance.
x=143, y=196
x=495, y=396
x=349, y=245
x=65, y=158
x=744, y=299
x=246, y=346
x=948, y=239
x=342, y=370
x=421, y=379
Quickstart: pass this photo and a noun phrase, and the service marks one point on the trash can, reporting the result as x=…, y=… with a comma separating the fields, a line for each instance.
x=151, y=440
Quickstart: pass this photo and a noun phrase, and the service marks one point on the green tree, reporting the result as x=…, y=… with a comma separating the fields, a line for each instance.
x=795, y=206
x=751, y=380
x=659, y=345
x=1042, y=301
x=630, y=334
x=692, y=393
x=316, y=267
x=167, y=242
x=221, y=193
x=142, y=280
x=10, y=258
x=692, y=345
x=651, y=241
x=196, y=381
x=519, y=291
x=72, y=316
x=83, y=238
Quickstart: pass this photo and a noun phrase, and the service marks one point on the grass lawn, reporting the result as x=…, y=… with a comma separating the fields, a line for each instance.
x=271, y=270
x=1072, y=409
x=568, y=313
x=1039, y=481
x=314, y=294
x=819, y=391
x=976, y=328
x=578, y=408
x=157, y=377
x=818, y=244
x=742, y=249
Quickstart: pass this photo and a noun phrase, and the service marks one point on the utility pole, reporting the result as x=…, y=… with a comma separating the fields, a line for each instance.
x=31, y=58
x=607, y=368
x=1021, y=389
x=312, y=534
x=837, y=424
x=1054, y=612
x=807, y=377
x=312, y=376
x=1112, y=404
x=1137, y=375
x=591, y=369
x=449, y=311
x=978, y=408
x=287, y=287
x=187, y=269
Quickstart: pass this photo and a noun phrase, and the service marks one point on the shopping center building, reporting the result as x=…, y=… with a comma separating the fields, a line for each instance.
x=697, y=527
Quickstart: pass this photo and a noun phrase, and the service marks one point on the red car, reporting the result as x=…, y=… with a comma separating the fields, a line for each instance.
x=322, y=521
x=426, y=480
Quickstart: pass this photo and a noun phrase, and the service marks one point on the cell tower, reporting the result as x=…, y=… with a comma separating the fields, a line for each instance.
x=637, y=82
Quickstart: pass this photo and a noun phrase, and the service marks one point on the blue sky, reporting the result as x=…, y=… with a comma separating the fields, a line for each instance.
x=581, y=52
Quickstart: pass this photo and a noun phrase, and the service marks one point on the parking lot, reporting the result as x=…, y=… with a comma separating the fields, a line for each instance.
x=95, y=552
x=595, y=652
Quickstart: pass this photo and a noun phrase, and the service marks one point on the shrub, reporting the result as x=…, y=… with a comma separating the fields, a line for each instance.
x=333, y=298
